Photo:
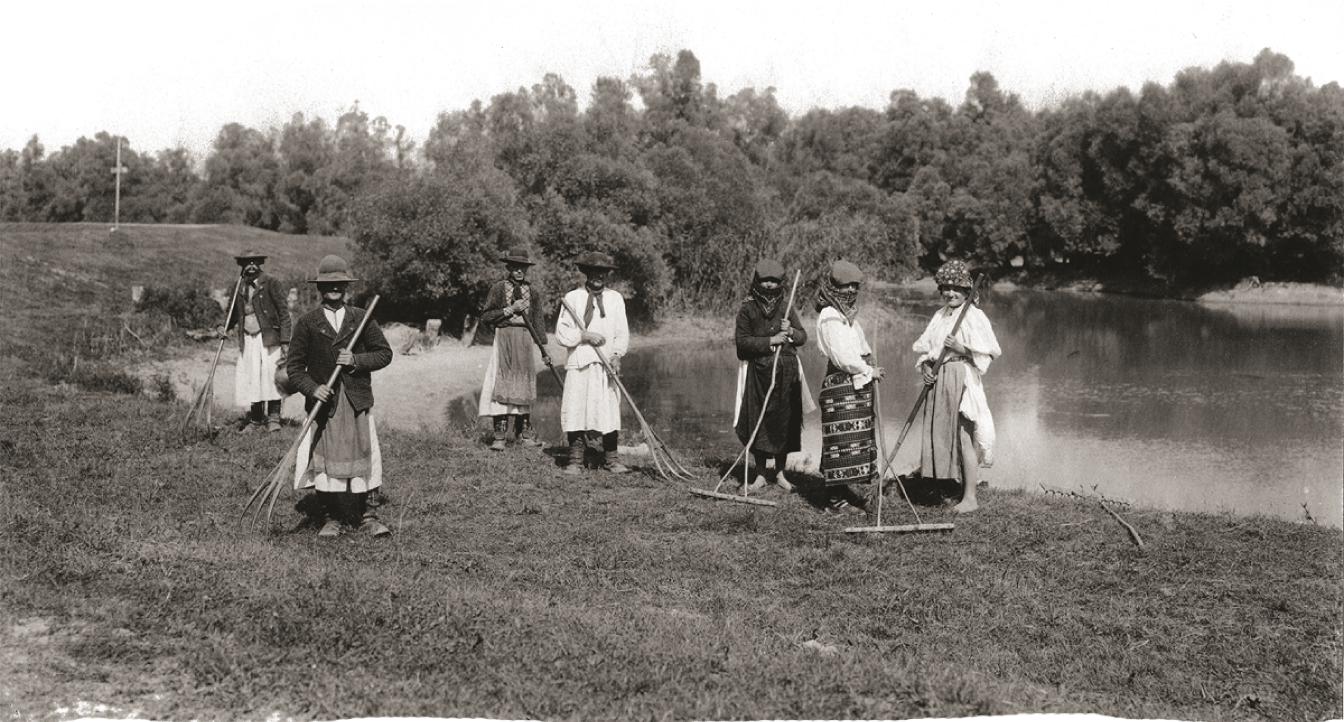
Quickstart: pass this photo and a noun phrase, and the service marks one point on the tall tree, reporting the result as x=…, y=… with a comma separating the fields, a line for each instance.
x=241, y=174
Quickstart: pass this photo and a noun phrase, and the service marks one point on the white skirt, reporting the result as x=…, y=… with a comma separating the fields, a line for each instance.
x=591, y=401
x=254, y=375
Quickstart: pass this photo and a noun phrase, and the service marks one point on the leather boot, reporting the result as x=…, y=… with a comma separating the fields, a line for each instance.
x=330, y=502
x=501, y=432
x=526, y=435
x=272, y=416
x=255, y=419
x=366, y=518
x=610, y=451
x=577, y=445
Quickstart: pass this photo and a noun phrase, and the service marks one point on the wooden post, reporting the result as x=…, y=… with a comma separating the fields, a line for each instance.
x=433, y=327
x=118, y=171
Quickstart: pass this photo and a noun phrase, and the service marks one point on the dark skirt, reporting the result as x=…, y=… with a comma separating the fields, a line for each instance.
x=848, y=442
x=781, y=430
x=515, y=374
x=341, y=442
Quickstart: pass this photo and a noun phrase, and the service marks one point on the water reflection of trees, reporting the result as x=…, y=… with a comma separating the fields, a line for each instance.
x=1115, y=367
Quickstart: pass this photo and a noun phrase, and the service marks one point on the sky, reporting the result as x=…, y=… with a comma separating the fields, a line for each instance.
x=272, y=105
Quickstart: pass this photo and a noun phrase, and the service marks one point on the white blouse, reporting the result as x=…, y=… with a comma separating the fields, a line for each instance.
x=845, y=345
x=613, y=328
x=975, y=334
x=978, y=337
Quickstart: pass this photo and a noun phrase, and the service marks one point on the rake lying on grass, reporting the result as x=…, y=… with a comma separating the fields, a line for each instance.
x=202, y=408
x=765, y=404
x=668, y=466
x=1100, y=499
x=269, y=491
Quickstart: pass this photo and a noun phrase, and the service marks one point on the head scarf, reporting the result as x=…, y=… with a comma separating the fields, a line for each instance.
x=842, y=300
x=954, y=273
x=768, y=299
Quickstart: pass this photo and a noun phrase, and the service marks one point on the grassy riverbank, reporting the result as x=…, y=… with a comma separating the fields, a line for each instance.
x=511, y=591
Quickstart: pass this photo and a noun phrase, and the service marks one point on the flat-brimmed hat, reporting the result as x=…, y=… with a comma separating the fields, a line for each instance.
x=331, y=270
x=954, y=273
x=518, y=255
x=769, y=268
x=594, y=259
x=249, y=255
x=282, y=383
x=844, y=273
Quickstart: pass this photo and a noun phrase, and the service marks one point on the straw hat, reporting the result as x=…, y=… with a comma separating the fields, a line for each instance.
x=332, y=269
x=518, y=254
x=594, y=259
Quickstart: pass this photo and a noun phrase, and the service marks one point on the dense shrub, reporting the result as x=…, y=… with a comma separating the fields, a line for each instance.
x=187, y=306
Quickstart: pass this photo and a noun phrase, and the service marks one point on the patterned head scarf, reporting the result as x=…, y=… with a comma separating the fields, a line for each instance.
x=954, y=273
x=842, y=300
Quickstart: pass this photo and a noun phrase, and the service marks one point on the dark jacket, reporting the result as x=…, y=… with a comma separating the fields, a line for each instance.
x=493, y=315
x=271, y=305
x=754, y=330
x=313, y=350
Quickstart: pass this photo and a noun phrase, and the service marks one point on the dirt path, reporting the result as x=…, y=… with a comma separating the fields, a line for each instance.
x=416, y=389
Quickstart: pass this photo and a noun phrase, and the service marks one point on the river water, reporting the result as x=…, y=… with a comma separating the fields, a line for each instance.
x=1223, y=409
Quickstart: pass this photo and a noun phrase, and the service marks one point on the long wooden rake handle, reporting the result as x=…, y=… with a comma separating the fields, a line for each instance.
x=270, y=488
x=924, y=392
x=209, y=385
x=655, y=443
x=765, y=404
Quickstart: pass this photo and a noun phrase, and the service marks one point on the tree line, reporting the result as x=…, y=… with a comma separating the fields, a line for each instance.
x=1224, y=173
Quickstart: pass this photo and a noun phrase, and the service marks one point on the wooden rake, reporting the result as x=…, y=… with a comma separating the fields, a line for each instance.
x=269, y=490
x=919, y=403
x=545, y=357
x=746, y=466
x=202, y=408
x=668, y=466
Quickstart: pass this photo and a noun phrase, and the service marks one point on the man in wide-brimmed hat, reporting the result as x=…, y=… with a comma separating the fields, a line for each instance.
x=517, y=312
x=590, y=410
x=339, y=456
x=261, y=314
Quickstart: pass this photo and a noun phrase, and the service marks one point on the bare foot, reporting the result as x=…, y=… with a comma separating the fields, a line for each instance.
x=966, y=506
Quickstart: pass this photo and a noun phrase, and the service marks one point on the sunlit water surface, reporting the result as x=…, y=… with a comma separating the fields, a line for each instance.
x=1236, y=409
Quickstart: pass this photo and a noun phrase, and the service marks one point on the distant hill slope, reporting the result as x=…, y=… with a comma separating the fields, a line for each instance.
x=53, y=271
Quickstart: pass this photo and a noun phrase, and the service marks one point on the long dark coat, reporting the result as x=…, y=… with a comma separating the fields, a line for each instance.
x=781, y=431
x=315, y=345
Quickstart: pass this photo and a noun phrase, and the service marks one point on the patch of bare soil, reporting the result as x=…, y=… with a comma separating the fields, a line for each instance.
x=417, y=388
